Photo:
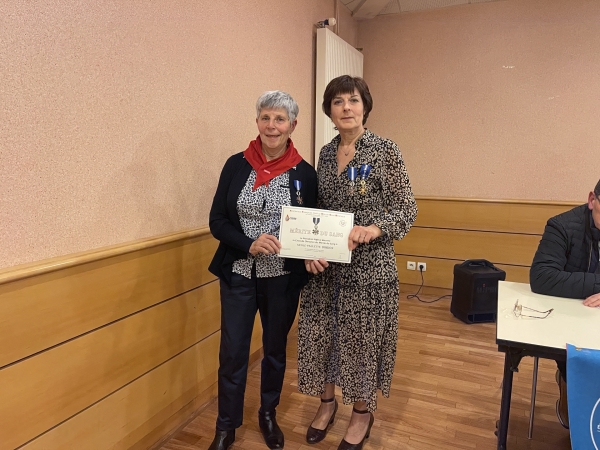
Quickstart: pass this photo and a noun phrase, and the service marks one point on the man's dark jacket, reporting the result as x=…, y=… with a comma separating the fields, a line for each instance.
x=225, y=224
x=560, y=265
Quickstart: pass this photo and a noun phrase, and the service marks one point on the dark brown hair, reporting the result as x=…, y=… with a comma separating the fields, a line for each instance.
x=346, y=85
x=597, y=189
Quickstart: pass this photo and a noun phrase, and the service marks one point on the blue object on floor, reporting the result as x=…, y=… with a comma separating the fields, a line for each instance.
x=583, y=393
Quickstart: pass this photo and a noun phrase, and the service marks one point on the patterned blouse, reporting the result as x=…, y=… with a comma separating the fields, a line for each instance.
x=260, y=212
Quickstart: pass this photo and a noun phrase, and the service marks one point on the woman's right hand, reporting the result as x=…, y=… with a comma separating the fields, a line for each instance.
x=266, y=244
x=315, y=266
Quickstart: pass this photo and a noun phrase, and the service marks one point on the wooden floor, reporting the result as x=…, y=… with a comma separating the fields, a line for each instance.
x=445, y=395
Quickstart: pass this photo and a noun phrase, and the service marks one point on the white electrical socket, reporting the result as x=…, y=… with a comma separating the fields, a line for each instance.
x=423, y=265
x=410, y=265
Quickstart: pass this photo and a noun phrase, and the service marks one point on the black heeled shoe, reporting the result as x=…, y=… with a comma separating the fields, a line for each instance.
x=223, y=440
x=270, y=430
x=346, y=446
x=312, y=434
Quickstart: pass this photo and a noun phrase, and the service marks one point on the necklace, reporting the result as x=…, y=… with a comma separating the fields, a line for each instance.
x=353, y=145
x=346, y=153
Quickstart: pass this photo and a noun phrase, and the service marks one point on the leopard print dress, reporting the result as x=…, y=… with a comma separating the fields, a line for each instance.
x=348, y=324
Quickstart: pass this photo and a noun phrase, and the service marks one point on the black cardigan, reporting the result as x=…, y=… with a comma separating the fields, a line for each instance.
x=560, y=265
x=225, y=224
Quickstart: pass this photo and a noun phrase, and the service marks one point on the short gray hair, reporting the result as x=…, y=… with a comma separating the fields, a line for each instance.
x=279, y=100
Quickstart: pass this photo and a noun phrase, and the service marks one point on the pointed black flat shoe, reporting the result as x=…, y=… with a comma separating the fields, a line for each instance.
x=314, y=435
x=347, y=446
x=223, y=440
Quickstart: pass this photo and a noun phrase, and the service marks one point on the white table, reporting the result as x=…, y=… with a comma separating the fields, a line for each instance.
x=570, y=322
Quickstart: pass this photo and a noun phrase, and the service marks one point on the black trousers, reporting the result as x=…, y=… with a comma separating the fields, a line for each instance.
x=277, y=302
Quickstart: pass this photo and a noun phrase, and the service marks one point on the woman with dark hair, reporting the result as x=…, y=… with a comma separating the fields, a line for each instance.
x=348, y=324
x=245, y=218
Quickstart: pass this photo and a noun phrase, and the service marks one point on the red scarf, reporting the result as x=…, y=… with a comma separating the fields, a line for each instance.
x=267, y=170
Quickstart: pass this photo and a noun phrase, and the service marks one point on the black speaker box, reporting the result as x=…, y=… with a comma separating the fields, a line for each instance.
x=475, y=291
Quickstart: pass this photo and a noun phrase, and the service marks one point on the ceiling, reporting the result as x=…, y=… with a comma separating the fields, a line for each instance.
x=367, y=9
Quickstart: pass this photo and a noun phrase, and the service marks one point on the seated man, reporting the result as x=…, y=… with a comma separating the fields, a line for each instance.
x=566, y=265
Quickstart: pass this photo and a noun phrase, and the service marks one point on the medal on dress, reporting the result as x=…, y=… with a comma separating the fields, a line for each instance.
x=316, y=221
x=352, y=172
x=298, y=186
x=365, y=170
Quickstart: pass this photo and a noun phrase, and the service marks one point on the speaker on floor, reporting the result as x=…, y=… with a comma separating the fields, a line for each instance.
x=475, y=291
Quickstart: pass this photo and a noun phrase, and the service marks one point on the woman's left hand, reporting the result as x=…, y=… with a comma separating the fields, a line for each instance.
x=363, y=235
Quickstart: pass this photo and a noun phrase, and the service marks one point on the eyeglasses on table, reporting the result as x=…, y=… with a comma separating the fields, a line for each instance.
x=524, y=311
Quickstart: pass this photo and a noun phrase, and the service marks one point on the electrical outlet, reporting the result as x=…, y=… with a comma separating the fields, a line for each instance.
x=410, y=265
x=422, y=266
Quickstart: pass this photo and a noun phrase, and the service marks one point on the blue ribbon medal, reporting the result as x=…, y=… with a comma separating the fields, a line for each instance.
x=365, y=170
x=352, y=173
x=316, y=221
x=298, y=186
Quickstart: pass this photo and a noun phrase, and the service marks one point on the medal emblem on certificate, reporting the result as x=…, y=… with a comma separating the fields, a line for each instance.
x=365, y=170
x=352, y=173
x=298, y=186
x=316, y=221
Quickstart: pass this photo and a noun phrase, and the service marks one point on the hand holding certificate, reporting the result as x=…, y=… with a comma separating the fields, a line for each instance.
x=307, y=233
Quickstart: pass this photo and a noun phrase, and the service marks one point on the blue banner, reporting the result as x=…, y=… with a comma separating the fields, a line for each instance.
x=583, y=393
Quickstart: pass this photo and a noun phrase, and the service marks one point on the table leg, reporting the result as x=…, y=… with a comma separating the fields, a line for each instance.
x=536, y=361
x=505, y=403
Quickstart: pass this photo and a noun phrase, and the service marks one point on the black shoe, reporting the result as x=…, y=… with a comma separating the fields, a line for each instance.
x=270, y=430
x=314, y=435
x=346, y=446
x=222, y=440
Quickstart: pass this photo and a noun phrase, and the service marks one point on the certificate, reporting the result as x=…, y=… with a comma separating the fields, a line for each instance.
x=307, y=233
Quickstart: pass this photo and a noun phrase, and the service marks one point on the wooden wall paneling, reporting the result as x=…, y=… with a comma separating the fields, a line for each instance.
x=516, y=249
x=449, y=231
x=143, y=412
x=484, y=215
x=134, y=416
x=440, y=272
x=58, y=383
x=42, y=311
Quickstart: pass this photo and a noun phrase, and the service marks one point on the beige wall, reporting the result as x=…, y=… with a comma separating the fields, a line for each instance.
x=347, y=26
x=116, y=117
x=493, y=100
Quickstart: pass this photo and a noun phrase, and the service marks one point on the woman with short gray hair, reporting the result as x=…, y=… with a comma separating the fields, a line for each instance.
x=245, y=218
